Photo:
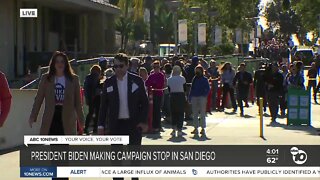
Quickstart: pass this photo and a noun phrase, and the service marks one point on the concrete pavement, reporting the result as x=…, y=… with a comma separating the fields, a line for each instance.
x=222, y=129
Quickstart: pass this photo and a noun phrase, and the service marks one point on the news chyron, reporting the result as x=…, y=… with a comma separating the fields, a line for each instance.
x=95, y=156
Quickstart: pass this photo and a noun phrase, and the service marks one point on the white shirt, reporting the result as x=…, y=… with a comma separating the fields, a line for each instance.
x=175, y=83
x=60, y=84
x=123, y=97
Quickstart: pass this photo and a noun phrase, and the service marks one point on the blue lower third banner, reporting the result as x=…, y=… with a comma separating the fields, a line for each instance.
x=38, y=172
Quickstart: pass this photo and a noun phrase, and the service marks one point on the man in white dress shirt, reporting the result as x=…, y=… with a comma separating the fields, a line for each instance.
x=124, y=103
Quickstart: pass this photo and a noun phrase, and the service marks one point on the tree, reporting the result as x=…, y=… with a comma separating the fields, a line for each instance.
x=125, y=22
x=231, y=14
x=308, y=10
x=280, y=15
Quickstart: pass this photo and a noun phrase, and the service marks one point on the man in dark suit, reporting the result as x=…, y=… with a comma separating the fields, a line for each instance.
x=242, y=81
x=124, y=103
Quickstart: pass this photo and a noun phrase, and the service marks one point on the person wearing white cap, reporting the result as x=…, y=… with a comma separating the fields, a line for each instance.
x=134, y=65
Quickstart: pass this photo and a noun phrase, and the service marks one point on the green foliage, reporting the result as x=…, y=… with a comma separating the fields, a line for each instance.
x=281, y=16
x=308, y=10
x=139, y=30
x=223, y=49
x=293, y=17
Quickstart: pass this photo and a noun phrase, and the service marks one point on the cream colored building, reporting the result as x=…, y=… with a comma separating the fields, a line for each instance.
x=86, y=26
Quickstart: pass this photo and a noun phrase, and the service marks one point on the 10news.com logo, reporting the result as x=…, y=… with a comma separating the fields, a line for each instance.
x=299, y=156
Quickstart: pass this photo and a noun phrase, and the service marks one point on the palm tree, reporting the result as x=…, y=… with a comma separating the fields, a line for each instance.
x=163, y=23
x=124, y=23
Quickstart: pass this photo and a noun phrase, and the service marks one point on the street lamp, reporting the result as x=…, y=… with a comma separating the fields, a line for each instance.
x=173, y=6
x=195, y=29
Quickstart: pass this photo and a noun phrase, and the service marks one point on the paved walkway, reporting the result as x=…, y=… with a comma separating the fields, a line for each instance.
x=223, y=129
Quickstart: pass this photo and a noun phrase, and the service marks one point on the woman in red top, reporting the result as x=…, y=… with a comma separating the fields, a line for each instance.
x=156, y=80
x=5, y=99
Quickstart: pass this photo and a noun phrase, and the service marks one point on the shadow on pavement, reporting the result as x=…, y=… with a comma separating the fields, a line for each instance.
x=266, y=115
x=246, y=116
x=200, y=138
x=154, y=136
x=263, y=138
x=230, y=113
x=309, y=129
x=177, y=139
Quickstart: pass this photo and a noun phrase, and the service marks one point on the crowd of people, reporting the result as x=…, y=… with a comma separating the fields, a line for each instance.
x=123, y=96
x=180, y=88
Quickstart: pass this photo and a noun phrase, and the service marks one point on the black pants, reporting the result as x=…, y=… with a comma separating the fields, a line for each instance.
x=242, y=95
x=313, y=84
x=187, y=106
x=94, y=107
x=127, y=127
x=273, y=102
x=177, y=101
x=56, y=128
x=227, y=89
x=166, y=105
x=283, y=101
x=156, y=122
x=214, y=95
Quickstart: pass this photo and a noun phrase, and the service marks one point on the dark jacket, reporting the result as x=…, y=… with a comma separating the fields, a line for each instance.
x=91, y=87
x=138, y=103
x=190, y=72
x=259, y=83
x=276, y=80
x=200, y=87
x=243, y=79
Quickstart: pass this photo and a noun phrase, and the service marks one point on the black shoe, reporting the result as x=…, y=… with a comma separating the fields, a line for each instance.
x=241, y=114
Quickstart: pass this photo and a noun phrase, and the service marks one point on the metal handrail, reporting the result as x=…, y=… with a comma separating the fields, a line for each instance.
x=29, y=84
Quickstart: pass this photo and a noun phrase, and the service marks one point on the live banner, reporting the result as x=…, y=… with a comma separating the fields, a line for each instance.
x=202, y=33
x=183, y=31
x=170, y=161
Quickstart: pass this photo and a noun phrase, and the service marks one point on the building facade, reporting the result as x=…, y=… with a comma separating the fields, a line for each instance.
x=82, y=28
